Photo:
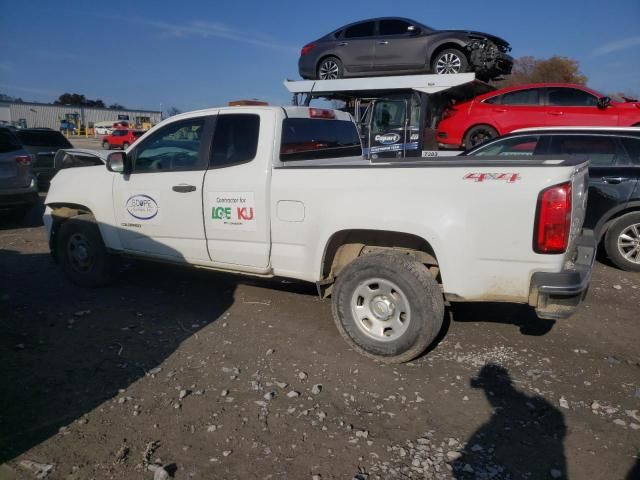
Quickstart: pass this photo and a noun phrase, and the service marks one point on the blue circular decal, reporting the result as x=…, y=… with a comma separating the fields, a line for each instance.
x=142, y=207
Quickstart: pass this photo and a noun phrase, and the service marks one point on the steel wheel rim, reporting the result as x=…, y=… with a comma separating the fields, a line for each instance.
x=380, y=309
x=329, y=70
x=80, y=253
x=629, y=243
x=448, y=63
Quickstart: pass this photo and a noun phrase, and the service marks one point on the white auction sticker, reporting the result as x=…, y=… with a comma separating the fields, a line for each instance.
x=232, y=210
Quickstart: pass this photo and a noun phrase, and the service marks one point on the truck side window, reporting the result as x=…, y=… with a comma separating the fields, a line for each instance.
x=311, y=139
x=633, y=149
x=388, y=115
x=173, y=148
x=235, y=139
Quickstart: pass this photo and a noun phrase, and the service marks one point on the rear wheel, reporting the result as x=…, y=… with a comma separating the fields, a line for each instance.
x=330, y=69
x=82, y=253
x=622, y=242
x=450, y=61
x=387, y=307
x=105, y=145
x=479, y=134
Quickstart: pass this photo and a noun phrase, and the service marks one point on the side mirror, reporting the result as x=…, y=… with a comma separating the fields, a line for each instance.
x=603, y=102
x=413, y=30
x=116, y=162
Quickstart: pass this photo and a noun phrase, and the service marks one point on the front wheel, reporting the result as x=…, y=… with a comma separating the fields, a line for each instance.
x=105, y=145
x=330, y=69
x=125, y=145
x=622, y=242
x=82, y=253
x=388, y=307
x=450, y=61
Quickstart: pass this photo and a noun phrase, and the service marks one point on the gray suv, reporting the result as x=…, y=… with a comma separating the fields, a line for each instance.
x=395, y=46
x=18, y=184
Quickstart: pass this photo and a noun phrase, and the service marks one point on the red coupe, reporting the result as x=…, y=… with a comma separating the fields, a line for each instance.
x=499, y=112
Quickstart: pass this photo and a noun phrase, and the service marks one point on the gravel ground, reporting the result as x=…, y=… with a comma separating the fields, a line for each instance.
x=203, y=375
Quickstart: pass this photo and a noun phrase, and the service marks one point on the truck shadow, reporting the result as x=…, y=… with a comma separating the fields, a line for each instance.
x=65, y=350
x=521, y=316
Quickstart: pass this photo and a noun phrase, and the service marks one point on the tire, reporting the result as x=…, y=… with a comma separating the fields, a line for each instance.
x=105, y=145
x=622, y=242
x=479, y=134
x=450, y=61
x=395, y=286
x=82, y=254
x=125, y=145
x=330, y=68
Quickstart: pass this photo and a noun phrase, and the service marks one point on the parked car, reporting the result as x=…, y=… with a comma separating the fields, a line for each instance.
x=18, y=185
x=535, y=105
x=103, y=128
x=284, y=191
x=395, y=46
x=121, y=138
x=613, y=209
x=43, y=143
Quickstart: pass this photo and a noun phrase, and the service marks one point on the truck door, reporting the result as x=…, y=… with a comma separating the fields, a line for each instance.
x=388, y=132
x=235, y=199
x=158, y=206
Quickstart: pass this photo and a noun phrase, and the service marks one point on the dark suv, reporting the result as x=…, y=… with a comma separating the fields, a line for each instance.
x=393, y=46
x=613, y=208
x=43, y=144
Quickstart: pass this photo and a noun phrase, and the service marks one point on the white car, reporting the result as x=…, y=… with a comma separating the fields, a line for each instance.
x=284, y=191
x=103, y=128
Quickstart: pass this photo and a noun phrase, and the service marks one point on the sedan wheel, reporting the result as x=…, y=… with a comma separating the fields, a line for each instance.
x=450, y=61
x=629, y=243
x=330, y=69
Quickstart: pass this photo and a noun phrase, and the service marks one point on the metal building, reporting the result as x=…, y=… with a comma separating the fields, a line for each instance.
x=45, y=115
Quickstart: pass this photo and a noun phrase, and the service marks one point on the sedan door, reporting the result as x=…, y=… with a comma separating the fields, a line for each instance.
x=611, y=173
x=356, y=47
x=398, y=47
x=573, y=107
x=518, y=109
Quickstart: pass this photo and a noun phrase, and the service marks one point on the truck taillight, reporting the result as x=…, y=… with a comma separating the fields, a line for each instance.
x=553, y=219
x=322, y=113
x=23, y=159
x=307, y=48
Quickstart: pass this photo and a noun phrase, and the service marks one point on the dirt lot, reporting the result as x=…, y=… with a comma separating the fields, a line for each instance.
x=218, y=377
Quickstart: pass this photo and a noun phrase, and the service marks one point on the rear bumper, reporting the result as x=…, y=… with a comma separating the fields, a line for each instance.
x=16, y=197
x=558, y=295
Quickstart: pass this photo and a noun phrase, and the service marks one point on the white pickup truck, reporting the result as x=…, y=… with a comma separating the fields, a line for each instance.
x=284, y=191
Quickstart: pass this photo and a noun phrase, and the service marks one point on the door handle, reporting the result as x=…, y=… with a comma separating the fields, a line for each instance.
x=383, y=43
x=343, y=44
x=614, y=180
x=557, y=114
x=500, y=110
x=183, y=188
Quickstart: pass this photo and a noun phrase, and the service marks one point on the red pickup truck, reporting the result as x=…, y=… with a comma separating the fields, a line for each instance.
x=121, y=138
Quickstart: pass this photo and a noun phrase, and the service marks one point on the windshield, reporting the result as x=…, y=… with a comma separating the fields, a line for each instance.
x=43, y=138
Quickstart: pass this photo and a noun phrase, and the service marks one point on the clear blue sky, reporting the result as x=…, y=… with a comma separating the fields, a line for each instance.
x=194, y=54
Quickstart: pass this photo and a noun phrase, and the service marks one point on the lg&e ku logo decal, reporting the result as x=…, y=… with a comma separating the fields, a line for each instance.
x=224, y=213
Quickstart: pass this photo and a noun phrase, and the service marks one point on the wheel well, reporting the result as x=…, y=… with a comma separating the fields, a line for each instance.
x=324, y=58
x=602, y=231
x=345, y=246
x=445, y=46
x=60, y=212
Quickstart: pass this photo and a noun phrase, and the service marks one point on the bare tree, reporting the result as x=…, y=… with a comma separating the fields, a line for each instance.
x=171, y=111
x=539, y=70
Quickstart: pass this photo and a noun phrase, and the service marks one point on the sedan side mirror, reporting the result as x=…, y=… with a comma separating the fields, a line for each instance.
x=603, y=102
x=116, y=162
x=413, y=30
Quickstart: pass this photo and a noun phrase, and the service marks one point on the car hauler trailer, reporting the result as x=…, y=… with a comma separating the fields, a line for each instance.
x=396, y=115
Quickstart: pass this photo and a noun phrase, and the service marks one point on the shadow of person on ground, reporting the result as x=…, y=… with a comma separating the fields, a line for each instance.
x=523, y=438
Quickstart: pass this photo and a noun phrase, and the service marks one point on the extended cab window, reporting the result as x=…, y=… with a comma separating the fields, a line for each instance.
x=174, y=147
x=359, y=30
x=235, y=139
x=309, y=139
x=523, y=97
x=510, y=146
x=570, y=97
x=601, y=150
